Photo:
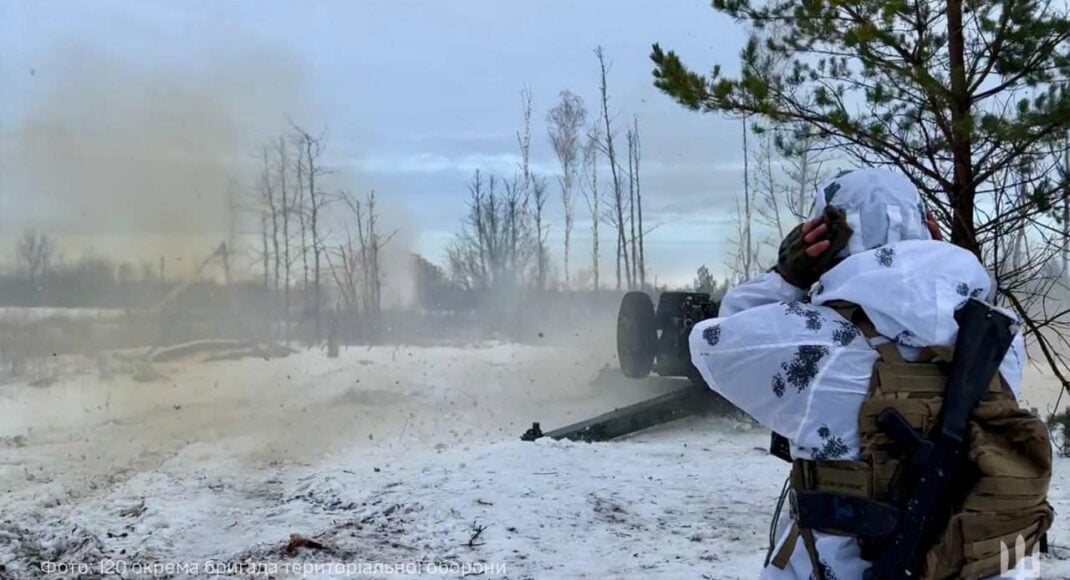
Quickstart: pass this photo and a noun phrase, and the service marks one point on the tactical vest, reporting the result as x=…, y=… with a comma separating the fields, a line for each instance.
x=1003, y=491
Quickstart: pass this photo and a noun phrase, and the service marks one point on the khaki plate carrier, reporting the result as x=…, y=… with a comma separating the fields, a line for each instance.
x=1004, y=488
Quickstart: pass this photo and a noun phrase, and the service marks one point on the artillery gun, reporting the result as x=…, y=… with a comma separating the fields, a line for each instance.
x=650, y=340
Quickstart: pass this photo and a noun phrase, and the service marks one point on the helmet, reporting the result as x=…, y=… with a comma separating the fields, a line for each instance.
x=882, y=207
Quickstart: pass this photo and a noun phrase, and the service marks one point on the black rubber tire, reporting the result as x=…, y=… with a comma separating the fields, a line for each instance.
x=637, y=335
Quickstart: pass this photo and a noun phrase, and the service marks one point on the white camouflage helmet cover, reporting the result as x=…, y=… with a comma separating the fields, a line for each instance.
x=882, y=207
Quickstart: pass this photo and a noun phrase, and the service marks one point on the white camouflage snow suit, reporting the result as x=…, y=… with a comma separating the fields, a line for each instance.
x=802, y=370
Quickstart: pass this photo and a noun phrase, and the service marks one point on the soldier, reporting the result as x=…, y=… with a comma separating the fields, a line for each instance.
x=855, y=318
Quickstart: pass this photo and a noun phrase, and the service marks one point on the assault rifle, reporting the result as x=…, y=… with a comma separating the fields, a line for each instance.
x=984, y=336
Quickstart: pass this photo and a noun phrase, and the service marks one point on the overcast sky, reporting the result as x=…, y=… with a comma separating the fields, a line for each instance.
x=123, y=125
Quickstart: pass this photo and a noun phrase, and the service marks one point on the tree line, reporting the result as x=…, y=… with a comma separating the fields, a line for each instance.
x=316, y=249
x=42, y=276
x=301, y=251
x=502, y=243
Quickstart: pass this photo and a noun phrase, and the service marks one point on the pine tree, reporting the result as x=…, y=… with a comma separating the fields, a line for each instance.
x=948, y=91
x=958, y=95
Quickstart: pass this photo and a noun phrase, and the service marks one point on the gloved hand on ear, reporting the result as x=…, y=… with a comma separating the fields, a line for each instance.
x=810, y=250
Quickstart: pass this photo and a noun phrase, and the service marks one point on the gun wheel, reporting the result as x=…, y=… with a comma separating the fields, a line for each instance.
x=637, y=335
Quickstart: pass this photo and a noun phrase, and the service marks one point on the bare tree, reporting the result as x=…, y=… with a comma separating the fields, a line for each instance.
x=496, y=244
x=286, y=214
x=539, y=195
x=635, y=206
x=523, y=138
x=268, y=197
x=518, y=194
x=36, y=253
x=362, y=268
x=311, y=148
x=592, y=195
x=743, y=254
x=633, y=238
x=265, y=249
x=348, y=278
x=514, y=206
x=483, y=247
x=801, y=150
x=746, y=256
x=479, y=254
x=786, y=170
x=769, y=203
x=300, y=208
x=636, y=154
x=618, y=189
x=1064, y=217
x=233, y=219
x=372, y=244
x=566, y=121
x=470, y=254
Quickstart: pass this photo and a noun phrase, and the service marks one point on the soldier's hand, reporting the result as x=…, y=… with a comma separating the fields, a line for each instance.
x=815, y=237
x=811, y=248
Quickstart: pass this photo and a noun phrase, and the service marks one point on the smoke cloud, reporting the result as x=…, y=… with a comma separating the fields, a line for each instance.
x=114, y=157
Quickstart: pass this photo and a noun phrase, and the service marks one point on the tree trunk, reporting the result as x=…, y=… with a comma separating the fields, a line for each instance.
x=314, y=225
x=266, y=251
x=596, y=217
x=746, y=242
x=269, y=195
x=618, y=193
x=1066, y=211
x=224, y=253
x=362, y=239
x=285, y=238
x=963, y=230
x=633, y=274
x=487, y=252
x=767, y=145
x=376, y=283
x=568, y=235
x=300, y=206
x=540, y=266
x=639, y=204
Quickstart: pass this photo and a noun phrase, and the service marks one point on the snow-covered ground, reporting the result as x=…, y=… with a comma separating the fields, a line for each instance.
x=387, y=462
